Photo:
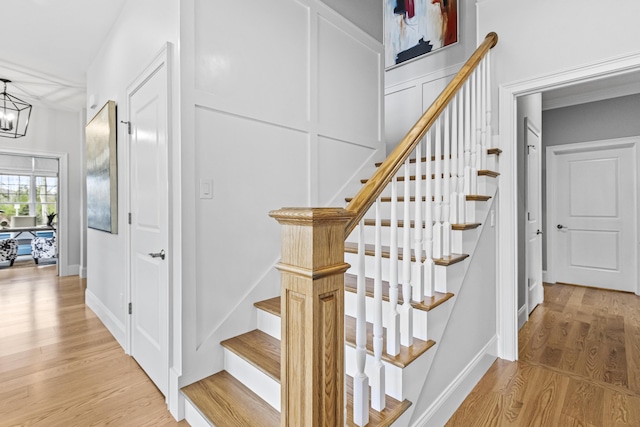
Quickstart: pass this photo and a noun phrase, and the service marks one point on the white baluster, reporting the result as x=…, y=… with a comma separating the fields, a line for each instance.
x=406, y=318
x=360, y=379
x=462, y=198
x=417, y=284
x=467, y=137
x=377, y=375
x=446, y=160
x=483, y=114
x=453, y=197
x=479, y=118
x=428, y=268
x=393, y=323
x=474, y=135
x=488, y=119
x=437, y=227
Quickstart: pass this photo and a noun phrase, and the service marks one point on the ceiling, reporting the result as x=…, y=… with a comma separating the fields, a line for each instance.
x=48, y=46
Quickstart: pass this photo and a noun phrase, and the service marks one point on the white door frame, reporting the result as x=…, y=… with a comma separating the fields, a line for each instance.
x=530, y=126
x=163, y=58
x=63, y=203
x=507, y=316
x=552, y=152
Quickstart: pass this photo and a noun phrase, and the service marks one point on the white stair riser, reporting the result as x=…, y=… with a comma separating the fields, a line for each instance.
x=352, y=259
x=459, y=238
x=385, y=211
x=419, y=316
x=486, y=186
x=269, y=324
x=260, y=383
x=491, y=165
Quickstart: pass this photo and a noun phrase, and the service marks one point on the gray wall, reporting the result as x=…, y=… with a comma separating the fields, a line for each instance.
x=611, y=118
x=366, y=14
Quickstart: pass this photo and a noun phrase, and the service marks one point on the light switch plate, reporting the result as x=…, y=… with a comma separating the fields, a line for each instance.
x=206, y=188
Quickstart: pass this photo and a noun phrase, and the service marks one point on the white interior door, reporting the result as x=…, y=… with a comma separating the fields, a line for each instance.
x=594, y=235
x=149, y=224
x=535, y=292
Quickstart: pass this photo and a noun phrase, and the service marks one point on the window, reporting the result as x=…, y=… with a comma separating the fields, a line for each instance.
x=46, y=197
x=28, y=195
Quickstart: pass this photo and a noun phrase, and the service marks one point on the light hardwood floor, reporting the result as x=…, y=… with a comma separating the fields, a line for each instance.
x=579, y=365
x=59, y=366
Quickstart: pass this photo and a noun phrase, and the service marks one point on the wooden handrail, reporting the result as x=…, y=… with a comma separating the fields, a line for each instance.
x=361, y=203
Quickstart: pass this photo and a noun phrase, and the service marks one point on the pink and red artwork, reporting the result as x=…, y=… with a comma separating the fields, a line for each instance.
x=416, y=27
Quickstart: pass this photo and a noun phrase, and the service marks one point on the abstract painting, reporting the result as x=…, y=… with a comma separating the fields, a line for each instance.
x=102, y=171
x=413, y=28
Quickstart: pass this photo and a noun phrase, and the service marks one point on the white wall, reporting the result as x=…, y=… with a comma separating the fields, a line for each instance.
x=539, y=38
x=58, y=131
x=410, y=88
x=281, y=107
x=142, y=29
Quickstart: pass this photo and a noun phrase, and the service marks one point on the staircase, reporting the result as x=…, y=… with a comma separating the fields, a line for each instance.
x=390, y=283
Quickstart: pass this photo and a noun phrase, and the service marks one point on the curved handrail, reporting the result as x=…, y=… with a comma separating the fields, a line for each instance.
x=361, y=203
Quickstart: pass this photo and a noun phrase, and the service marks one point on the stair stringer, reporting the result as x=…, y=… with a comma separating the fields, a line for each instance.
x=415, y=379
x=432, y=324
x=442, y=390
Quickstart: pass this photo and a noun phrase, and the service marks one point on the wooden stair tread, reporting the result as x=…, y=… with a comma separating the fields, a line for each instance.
x=429, y=303
x=402, y=360
x=259, y=349
x=385, y=418
x=407, y=354
x=485, y=172
x=269, y=305
x=387, y=223
x=478, y=198
x=400, y=178
x=369, y=250
x=469, y=197
x=226, y=402
x=271, y=358
x=496, y=151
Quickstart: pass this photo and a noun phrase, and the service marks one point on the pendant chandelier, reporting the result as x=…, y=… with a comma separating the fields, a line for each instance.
x=14, y=114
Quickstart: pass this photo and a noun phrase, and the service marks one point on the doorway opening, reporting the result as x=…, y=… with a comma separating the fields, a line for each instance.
x=30, y=205
x=600, y=81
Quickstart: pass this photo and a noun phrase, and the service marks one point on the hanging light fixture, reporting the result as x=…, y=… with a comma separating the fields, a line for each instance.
x=14, y=114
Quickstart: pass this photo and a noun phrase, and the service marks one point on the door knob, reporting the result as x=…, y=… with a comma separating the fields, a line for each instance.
x=538, y=232
x=157, y=254
x=560, y=226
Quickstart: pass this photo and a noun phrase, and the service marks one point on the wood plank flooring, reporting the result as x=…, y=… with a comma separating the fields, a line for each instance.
x=579, y=365
x=59, y=366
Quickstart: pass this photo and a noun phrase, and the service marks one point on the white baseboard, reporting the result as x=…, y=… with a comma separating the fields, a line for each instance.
x=545, y=277
x=175, y=398
x=109, y=320
x=83, y=272
x=450, y=399
x=522, y=316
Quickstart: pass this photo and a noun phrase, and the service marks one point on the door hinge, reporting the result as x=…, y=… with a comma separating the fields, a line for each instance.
x=128, y=126
x=129, y=218
x=130, y=310
x=528, y=217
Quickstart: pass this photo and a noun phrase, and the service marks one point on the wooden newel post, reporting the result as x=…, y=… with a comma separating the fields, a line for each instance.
x=312, y=267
